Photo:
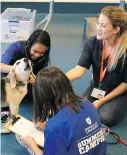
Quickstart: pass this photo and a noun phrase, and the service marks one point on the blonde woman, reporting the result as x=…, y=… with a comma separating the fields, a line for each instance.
x=107, y=53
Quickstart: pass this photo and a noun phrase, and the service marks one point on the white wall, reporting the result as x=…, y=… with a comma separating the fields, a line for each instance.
x=74, y=1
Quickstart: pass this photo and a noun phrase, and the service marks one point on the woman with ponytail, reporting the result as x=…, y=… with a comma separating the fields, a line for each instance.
x=107, y=53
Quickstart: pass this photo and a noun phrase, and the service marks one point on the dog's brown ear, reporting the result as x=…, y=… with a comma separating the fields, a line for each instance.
x=32, y=78
x=32, y=74
x=12, y=78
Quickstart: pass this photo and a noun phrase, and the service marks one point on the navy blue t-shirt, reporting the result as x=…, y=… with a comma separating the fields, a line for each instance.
x=13, y=53
x=71, y=133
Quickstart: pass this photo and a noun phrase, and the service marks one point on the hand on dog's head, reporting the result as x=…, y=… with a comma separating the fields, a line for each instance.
x=20, y=72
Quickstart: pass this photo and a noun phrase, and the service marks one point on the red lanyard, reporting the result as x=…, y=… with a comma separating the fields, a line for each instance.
x=103, y=71
x=116, y=136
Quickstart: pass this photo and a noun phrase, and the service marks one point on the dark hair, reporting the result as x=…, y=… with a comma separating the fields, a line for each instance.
x=51, y=92
x=39, y=36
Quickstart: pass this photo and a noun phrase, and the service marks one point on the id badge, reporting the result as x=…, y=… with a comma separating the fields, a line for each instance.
x=97, y=93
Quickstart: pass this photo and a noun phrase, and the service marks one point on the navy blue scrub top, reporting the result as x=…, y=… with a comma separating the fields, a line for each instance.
x=92, y=55
x=17, y=51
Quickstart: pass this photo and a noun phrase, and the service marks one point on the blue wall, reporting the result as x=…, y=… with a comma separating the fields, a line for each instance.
x=43, y=7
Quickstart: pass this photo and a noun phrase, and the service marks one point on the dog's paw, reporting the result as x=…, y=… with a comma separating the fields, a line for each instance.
x=5, y=127
x=4, y=130
x=8, y=124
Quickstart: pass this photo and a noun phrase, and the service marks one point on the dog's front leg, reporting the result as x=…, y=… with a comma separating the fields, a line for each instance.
x=15, y=100
x=4, y=104
x=14, y=108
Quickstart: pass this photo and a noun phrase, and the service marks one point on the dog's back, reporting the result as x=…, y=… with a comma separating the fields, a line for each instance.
x=3, y=91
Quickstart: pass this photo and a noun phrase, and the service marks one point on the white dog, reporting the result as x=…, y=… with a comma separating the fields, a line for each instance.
x=14, y=85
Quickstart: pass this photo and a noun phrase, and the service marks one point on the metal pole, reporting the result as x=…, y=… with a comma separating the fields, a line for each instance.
x=122, y=4
x=47, y=19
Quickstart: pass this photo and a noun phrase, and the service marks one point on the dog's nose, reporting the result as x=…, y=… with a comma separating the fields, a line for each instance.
x=26, y=60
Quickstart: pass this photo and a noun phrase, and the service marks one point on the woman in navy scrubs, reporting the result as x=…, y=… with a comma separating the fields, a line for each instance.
x=73, y=125
x=36, y=49
x=107, y=53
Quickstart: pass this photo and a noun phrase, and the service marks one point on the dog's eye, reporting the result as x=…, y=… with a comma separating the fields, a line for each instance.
x=18, y=63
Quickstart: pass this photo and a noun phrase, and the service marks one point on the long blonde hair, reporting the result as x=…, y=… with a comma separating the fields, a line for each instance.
x=118, y=17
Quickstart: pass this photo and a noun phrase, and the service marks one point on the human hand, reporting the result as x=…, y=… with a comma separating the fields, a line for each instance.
x=28, y=141
x=97, y=103
x=40, y=125
x=31, y=144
